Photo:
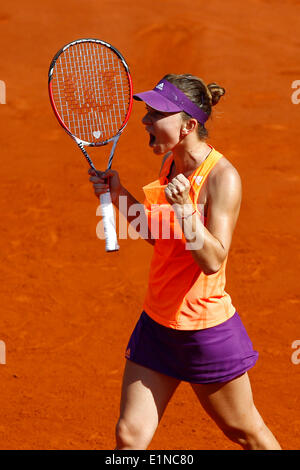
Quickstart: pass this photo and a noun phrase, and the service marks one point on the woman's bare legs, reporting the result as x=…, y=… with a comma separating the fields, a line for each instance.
x=145, y=395
x=231, y=406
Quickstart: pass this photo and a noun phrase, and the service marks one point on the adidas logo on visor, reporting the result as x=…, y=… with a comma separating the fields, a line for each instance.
x=160, y=86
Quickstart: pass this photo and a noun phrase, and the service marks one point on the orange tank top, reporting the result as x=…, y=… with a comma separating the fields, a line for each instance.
x=179, y=294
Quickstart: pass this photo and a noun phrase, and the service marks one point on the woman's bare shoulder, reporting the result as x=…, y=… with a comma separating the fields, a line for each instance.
x=224, y=171
x=224, y=178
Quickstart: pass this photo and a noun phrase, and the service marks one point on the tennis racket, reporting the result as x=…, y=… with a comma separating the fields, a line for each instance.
x=90, y=90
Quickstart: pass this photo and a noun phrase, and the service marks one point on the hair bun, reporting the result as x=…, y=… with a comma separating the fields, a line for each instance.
x=216, y=92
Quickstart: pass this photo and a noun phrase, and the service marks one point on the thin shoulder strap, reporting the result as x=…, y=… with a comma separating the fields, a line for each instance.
x=166, y=165
x=200, y=175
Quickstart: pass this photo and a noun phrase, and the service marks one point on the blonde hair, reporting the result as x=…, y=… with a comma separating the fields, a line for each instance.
x=204, y=96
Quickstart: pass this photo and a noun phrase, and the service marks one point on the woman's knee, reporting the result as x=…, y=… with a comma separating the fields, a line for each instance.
x=247, y=435
x=133, y=435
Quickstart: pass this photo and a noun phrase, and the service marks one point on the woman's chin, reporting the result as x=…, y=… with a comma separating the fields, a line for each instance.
x=157, y=149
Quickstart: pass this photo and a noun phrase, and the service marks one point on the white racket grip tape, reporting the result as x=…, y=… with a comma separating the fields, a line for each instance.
x=109, y=224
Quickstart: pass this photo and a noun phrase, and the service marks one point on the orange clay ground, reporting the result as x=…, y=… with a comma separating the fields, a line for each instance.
x=67, y=307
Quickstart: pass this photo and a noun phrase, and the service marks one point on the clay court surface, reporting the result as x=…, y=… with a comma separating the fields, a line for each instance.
x=67, y=307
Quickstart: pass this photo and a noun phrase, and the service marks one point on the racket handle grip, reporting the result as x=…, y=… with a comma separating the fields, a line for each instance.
x=111, y=241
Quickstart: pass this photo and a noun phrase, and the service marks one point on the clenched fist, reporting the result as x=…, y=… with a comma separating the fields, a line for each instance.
x=177, y=191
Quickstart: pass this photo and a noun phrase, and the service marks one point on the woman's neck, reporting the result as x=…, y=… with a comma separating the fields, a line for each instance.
x=190, y=156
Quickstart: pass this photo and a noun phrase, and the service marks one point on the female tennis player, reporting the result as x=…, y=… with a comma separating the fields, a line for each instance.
x=188, y=330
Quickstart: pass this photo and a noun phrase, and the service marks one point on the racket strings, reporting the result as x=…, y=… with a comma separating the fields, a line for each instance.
x=91, y=91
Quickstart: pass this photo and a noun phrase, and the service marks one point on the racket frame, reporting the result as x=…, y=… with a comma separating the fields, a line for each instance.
x=51, y=69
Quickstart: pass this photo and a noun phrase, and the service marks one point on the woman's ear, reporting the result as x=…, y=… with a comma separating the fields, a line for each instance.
x=188, y=126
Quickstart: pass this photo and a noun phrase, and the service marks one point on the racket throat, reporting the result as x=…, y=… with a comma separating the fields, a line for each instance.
x=81, y=146
x=115, y=141
x=88, y=158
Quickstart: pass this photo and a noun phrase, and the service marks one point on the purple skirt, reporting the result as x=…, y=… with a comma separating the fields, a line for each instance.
x=216, y=354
